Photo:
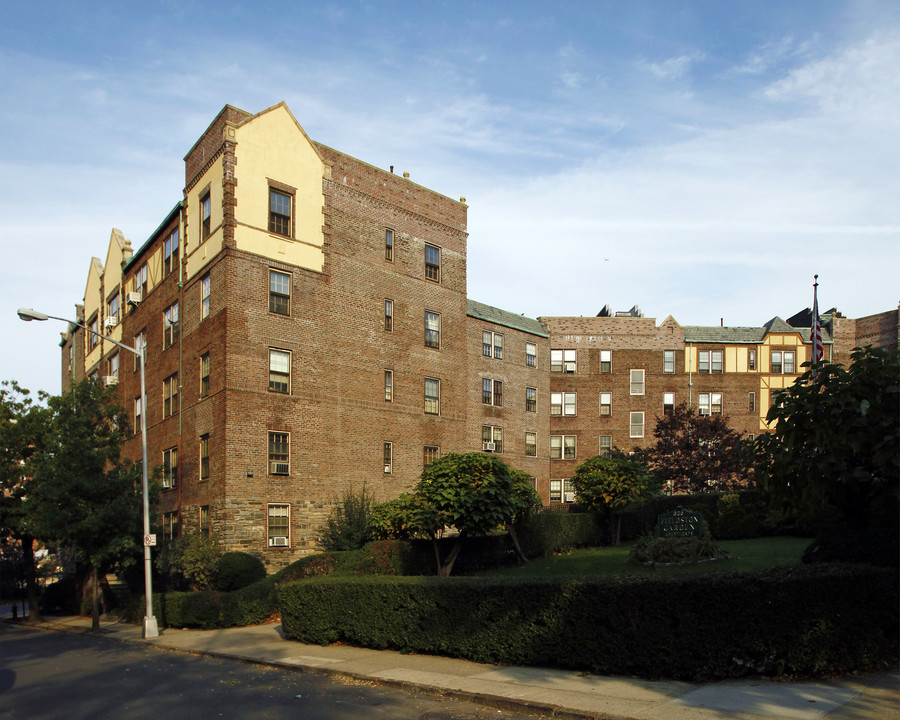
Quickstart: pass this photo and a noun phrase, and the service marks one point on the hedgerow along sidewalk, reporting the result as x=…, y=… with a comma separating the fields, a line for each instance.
x=545, y=691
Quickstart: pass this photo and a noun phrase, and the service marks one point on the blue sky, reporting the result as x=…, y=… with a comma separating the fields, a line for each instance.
x=699, y=159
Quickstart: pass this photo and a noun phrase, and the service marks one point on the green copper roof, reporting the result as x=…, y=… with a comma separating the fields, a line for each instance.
x=497, y=316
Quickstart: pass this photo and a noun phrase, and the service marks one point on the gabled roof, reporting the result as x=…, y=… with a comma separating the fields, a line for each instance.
x=777, y=325
x=480, y=311
x=153, y=236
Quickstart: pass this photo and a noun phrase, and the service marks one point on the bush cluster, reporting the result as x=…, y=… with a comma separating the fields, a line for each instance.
x=808, y=621
x=664, y=550
x=236, y=570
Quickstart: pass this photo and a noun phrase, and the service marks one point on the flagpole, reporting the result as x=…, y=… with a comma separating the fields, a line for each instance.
x=815, y=332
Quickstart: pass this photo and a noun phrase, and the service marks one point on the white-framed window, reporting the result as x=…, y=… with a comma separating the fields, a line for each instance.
x=530, y=399
x=563, y=403
x=432, y=396
x=562, y=490
x=204, y=375
x=492, y=392
x=562, y=447
x=703, y=361
x=636, y=425
x=637, y=382
x=388, y=385
x=388, y=458
x=492, y=344
x=789, y=365
x=170, y=395
x=432, y=330
x=605, y=361
x=112, y=308
x=204, y=296
x=563, y=361
x=668, y=361
x=751, y=404
x=137, y=415
x=112, y=366
x=140, y=282
x=205, y=216
x=530, y=354
x=170, y=468
x=388, y=315
x=751, y=359
x=710, y=361
x=530, y=444
x=170, y=253
x=605, y=404
x=492, y=438
x=278, y=525
x=433, y=263
x=204, y=456
x=279, y=292
x=279, y=453
x=170, y=325
x=605, y=444
x=279, y=371
x=668, y=403
x=92, y=338
x=280, y=212
x=389, y=245
x=430, y=453
x=709, y=403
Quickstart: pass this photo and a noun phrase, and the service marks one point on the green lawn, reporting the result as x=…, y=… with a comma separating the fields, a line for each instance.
x=755, y=554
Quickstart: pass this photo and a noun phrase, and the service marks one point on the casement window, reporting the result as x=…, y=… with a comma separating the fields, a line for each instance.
x=140, y=282
x=170, y=525
x=430, y=453
x=530, y=354
x=562, y=403
x=204, y=297
x=751, y=404
x=389, y=315
x=709, y=403
x=140, y=344
x=388, y=458
x=170, y=468
x=751, y=360
x=433, y=263
x=636, y=423
x=279, y=292
x=170, y=395
x=783, y=362
x=389, y=245
x=605, y=404
x=92, y=338
x=492, y=438
x=279, y=525
x=170, y=325
x=204, y=456
x=530, y=444
x=530, y=399
x=112, y=310
x=562, y=490
x=605, y=444
x=605, y=361
x=203, y=520
x=279, y=371
x=279, y=212
x=637, y=382
x=432, y=396
x=432, y=330
x=204, y=375
x=279, y=453
x=668, y=361
x=668, y=403
x=137, y=415
x=492, y=392
x=388, y=385
x=562, y=447
x=205, y=216
x=112, y=367
x=563, y=361
x=170, y=253
x=492, y=344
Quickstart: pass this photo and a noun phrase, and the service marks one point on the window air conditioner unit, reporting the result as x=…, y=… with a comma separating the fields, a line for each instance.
x=489, y=446
x=133, y=298
x=111, y=322
x=278, y=542
x=110, y=380
x=703, y=411
x=387, y=468
x=279, y=468
x=570, y=367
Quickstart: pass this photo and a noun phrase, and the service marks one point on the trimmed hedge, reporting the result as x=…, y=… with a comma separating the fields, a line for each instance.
x=236, y=570
x=809, y=621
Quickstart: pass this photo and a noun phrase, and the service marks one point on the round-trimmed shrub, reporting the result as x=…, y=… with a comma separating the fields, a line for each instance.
x=236, y=570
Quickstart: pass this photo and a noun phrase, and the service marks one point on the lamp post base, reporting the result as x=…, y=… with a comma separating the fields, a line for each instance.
x=151, y=630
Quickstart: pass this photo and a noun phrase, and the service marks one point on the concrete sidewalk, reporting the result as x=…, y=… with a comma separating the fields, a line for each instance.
x=558, y=693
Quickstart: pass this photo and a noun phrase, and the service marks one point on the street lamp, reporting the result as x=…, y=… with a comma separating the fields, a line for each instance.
x=150, y=628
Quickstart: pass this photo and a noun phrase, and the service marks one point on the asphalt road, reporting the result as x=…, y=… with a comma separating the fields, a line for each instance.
x=54, y=675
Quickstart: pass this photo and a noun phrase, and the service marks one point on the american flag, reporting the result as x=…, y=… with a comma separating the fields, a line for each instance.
x=815, y=335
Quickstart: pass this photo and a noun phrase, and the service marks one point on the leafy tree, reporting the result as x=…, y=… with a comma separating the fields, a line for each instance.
x=190, y=562
x=698, y=453
x=22, y=425
x=395, y=518
x=347, y=527
x=607, y=483
x=836, y=439
x=85, y=495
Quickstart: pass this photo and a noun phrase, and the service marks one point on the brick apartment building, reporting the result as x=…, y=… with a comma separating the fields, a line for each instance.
x=307, y=330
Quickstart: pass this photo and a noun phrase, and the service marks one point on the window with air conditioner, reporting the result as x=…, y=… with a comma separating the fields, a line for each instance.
x=492, y=438
x=563, y=361
x=279, y=453
x=279, y=525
